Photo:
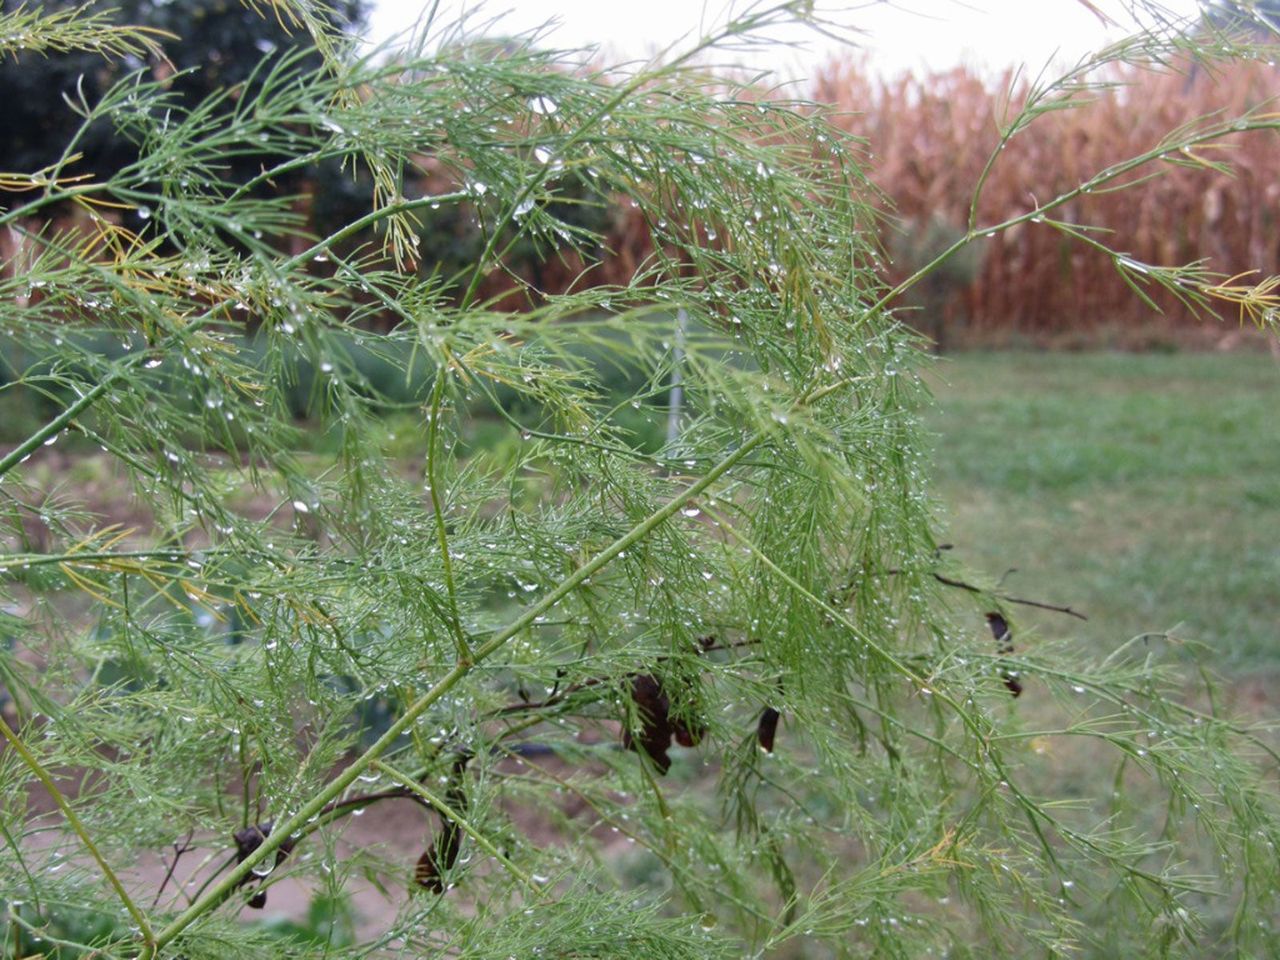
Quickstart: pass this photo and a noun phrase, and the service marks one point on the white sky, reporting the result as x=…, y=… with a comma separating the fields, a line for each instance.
x=898, y=35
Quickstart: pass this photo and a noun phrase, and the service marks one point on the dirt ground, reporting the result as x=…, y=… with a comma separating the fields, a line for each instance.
x=392, y=833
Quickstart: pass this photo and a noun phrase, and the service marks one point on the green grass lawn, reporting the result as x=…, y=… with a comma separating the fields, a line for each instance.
x=1143, y=490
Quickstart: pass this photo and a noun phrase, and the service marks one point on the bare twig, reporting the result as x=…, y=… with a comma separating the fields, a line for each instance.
x=1021, y=601
x=178, y=850
x=974, y=588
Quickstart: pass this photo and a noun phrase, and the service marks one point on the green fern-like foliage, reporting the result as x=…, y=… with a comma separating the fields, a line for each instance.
x=664, y=681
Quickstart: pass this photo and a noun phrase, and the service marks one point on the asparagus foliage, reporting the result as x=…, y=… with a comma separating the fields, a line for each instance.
x=699, y=691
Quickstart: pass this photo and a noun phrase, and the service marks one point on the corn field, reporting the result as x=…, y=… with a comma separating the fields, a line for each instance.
x=933, y=135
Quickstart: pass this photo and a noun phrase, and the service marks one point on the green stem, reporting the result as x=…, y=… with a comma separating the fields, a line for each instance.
x=817, y=601
x=42, y=935
x=368, y=220
x=433, y=430
x=33, y=442
x=25, y=211
x=22, y=864
x=148, y=937
x=1100, y=179
x=24, y=560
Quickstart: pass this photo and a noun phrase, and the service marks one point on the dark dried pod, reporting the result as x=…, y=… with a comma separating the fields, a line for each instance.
x=439, y=857
x=1004, y=643
x=1000, y=631
x=654, y=735
x=767, y=728
x=649, y=696
x=654, y=742
x=427, y=871
x=688, y=735
x=443, y=854
x=249, y=839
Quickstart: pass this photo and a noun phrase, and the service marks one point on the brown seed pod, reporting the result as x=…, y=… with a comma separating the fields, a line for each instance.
x=428, y=872
x=1004, y=644
x=767, y=728
x=441, y=855
x=249, y=839
x=1000, y=631
x=686, y=735
x=657, y=727
x=654, y=735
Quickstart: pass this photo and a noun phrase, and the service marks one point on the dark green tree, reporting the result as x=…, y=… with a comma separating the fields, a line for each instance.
x=213, y=46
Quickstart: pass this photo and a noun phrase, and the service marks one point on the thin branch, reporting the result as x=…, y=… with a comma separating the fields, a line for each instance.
x=178, y=850
x=433, y=442
x=995, y=594
x=1040, y=604
x=54, y=426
